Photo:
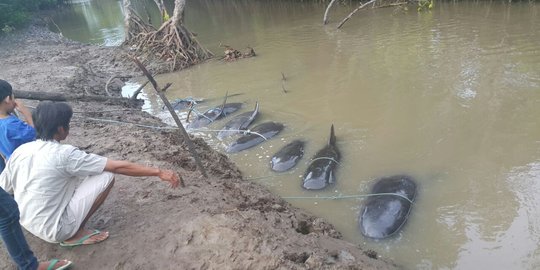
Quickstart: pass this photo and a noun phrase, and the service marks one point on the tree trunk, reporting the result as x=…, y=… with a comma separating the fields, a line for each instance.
x=178, y=13
x=37, y=95
x=127, y=20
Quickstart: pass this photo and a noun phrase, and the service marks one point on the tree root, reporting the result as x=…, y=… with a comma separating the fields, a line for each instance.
x=171, y=43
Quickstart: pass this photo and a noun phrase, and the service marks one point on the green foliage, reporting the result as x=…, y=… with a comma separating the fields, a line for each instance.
x=16, y=12
x=424, y=5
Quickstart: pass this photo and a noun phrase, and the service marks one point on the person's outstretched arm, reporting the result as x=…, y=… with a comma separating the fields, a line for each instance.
x=133, y=169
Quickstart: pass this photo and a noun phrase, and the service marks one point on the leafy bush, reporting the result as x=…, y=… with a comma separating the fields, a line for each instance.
x=14, y=13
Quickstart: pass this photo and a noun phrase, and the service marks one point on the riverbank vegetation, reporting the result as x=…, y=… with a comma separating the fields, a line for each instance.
x=171, y=42
x=16, y=13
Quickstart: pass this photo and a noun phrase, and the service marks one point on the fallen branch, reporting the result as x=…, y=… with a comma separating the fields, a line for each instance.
x=183, y=132
x=283, y=79
x=354, y=11
x=136, y=93
x=35, y=95
x=326, y=12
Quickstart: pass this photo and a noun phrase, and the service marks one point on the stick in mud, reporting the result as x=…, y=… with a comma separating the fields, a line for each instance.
x=283, y=79
x=183, y=132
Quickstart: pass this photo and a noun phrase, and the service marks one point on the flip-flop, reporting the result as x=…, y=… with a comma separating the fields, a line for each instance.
x=53, y=262
x=80, y=242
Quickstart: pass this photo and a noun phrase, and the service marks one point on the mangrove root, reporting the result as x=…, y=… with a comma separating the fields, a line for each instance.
x=172, y=43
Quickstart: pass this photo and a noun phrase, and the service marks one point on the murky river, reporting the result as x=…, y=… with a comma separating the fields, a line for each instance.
x=450, y=97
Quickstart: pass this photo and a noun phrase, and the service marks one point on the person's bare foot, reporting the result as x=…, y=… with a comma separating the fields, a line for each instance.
x=85, y=237
x=56, y=264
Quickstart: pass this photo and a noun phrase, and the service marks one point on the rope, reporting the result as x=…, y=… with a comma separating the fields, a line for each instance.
x=260, y=178
x=247, y=131
x=120, y=122
x=329, y=158
x=117, y=110
x=339, y=197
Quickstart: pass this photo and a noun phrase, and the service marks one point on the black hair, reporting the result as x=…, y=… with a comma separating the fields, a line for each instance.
x=49, y=116
x=5, y=90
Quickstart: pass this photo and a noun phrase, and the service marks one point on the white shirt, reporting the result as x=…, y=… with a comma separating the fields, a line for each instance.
x=43, y=176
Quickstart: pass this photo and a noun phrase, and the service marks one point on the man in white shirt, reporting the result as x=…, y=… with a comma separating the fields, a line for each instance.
x=45, y=178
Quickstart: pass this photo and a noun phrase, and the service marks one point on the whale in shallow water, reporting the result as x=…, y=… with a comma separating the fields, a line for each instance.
x=257, y=135
x=214, y=114
x=239, y=123
x=383, y=216
x=321, y=171
x=288, y=156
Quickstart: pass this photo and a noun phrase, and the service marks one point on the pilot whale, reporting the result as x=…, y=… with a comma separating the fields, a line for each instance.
x=383, y=215
x=239, y=123
x=321, y=171
x=214, y=114
x=257, y=135
x=288, y=156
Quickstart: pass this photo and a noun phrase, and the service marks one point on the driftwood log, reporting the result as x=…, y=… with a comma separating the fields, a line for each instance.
x=35, y=95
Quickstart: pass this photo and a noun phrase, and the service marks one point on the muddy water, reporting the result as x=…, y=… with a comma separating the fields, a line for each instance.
x=450, y=97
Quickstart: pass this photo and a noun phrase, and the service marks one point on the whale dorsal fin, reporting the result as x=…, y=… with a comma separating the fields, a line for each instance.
x=223, y=105
x=332, y=140
x=255, y=111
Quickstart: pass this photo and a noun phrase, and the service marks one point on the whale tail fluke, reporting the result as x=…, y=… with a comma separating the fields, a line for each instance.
x=332, y=140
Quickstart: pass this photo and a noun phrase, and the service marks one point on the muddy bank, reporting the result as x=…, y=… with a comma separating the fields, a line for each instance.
x=221, y=222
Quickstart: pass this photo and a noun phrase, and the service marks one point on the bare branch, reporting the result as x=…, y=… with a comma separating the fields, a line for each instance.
x=326, y=12
x=354, y=11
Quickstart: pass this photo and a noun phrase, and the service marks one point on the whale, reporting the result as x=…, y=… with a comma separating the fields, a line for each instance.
x=214, y=114
x=181, y=104
x=257, y=135
x=321, y=171
x=238, y=123
x=384, y=215
x=288, y=156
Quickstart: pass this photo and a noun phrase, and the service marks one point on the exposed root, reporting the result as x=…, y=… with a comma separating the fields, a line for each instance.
x=172, y=43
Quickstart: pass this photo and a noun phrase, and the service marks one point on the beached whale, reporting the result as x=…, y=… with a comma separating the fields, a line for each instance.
x=257, y=135
x=184, y=103
x=288, y=156
x=321, y=171
x=383, y=216
x=214, y=114
x=239, y=123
